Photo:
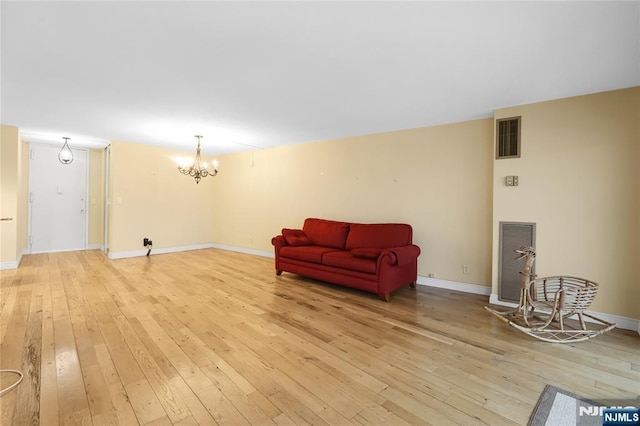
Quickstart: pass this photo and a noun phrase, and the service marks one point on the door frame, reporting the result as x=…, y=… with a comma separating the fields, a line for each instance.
x=107, y=199
x=86, y=199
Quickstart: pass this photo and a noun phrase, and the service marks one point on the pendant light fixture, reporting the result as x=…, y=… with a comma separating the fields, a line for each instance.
x=198, y=169
x=65, y=155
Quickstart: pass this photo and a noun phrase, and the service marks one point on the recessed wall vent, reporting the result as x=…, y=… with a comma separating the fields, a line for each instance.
x=508, y=138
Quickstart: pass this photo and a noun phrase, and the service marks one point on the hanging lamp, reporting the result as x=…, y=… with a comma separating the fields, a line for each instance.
x=65, y=155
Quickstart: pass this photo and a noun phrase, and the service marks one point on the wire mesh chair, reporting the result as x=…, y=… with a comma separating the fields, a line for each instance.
x=547, y=304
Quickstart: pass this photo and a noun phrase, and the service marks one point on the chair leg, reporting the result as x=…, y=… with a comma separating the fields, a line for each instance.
x=412, y=285
x=581, y=318
x=384, y=297
x=278, y=272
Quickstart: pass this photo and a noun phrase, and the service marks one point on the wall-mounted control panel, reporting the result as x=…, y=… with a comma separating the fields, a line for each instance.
x=511, y=181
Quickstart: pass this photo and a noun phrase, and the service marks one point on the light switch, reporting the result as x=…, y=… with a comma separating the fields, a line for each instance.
x=511, y=181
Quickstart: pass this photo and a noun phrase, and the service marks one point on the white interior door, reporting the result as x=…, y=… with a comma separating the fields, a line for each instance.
x=57, y=195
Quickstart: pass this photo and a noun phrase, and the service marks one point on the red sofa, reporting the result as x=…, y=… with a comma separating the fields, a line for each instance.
x=378, y=258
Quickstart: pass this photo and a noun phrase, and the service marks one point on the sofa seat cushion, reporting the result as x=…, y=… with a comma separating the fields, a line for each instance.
x=326, y=233
x=379, y=235
x=346, y=260
x=367, y=253
x=305, y=253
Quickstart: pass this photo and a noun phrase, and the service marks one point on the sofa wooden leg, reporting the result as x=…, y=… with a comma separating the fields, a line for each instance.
x=384, y=297
x=278, y=272
x=412, y=285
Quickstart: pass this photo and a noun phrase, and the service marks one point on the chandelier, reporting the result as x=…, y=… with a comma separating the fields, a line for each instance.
x=198, y=169
x=65, y=156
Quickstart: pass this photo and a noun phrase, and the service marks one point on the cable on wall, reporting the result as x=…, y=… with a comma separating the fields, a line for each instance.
x=8, y=388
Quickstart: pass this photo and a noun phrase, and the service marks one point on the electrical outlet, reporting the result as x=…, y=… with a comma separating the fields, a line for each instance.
x=465, y=269
x=146, y=242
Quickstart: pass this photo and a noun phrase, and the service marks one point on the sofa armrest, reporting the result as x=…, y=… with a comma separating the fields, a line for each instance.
x=278, y=241
x=401, y=255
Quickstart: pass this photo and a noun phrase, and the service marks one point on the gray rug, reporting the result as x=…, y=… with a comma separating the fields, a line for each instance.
x=558, y=407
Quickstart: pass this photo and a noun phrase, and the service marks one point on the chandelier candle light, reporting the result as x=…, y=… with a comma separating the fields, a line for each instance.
x=198, y=169
x=65, y=155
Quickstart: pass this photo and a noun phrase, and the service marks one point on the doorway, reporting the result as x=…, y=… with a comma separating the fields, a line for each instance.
x=57, y=200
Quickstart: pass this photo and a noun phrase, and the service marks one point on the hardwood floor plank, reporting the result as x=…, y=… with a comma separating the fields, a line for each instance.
x=144, y=402
x=95, y=384
x=199, y=412
x=249, y=409
x=49, y=413
x=298, y=412
x=28, y=393
x=115, y=387
x=72, y=397
x=378, y=416
x=215, y=337
x=220, y=408
x=11, y=353
x=265, y=405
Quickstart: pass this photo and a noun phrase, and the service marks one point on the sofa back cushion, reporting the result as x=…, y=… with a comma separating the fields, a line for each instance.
x=379, y=235
x=326, y=233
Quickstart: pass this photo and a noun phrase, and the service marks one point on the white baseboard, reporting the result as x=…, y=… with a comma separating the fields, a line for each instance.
x=625, y=323
x=139, y=253
x=244, y=250
x=9, y=265
x=16, y=263
x=454, y=285
x=95, y=247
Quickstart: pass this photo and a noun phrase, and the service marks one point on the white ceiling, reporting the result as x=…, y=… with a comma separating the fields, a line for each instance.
x=263, y=74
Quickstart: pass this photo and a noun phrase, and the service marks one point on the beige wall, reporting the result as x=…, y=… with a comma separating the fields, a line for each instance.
x=150, y=198
x=9, y=147
x=579, y=182
x=438, y=179
x=96, y=196
x=14, y=175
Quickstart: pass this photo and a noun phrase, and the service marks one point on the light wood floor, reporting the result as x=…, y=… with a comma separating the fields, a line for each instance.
x=208, y=336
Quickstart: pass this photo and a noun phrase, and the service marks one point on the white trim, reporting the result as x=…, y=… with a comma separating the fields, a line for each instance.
x=9, y=265
x=138, y=253
x=86, y=198
x=15, y=264
x=106, y=213
x=454, y=285
x=244, y=250
x=625, y=323
x=54, y=139
x=95, y=247
x=59, y=251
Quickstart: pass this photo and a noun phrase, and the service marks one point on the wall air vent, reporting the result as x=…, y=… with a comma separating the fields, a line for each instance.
x=508, y=138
